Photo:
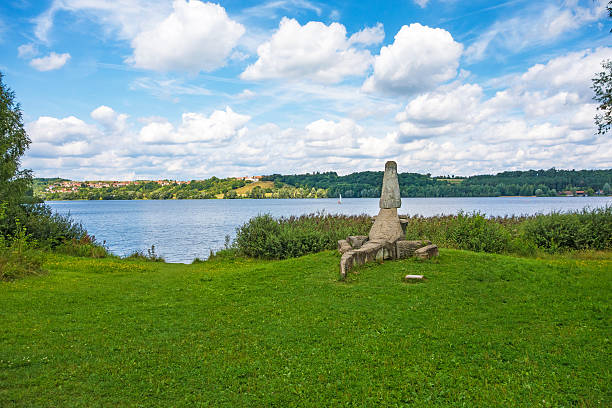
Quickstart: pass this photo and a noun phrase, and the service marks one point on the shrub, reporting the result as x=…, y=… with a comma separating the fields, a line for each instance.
x=270, y=238
x=267, y=237
x=18, y=259
x=150, y=255
x=85, y=247
x=586, y=229
x=476, y=233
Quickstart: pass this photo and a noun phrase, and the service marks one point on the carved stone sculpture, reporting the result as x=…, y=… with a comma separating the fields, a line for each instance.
x=386, y=239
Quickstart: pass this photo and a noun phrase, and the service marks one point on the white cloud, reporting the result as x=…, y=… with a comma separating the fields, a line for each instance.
x=571, y=72
x=50, y=62
x=422, y=3
x=448, y=104
x=183, y=35
x=53, y=130
x=369, y=35
x=328, y=134
x=125, y=17
x=110, y=119
x=314, y=51
x=219, y=128
x=27, y=51
x=195, y=37
x=533, y=28
x=419, y=59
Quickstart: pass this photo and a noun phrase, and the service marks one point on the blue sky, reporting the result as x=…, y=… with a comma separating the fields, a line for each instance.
x=131, y=89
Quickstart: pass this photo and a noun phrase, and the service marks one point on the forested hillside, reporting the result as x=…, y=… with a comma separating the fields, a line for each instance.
x=533, y=182
x=329, y=184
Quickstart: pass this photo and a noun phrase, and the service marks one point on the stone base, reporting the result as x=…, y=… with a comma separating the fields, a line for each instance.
x=357, y=241
x=426, y=252
x=406, y=249
x=387, y=227
x=370, y=251
x=344, y=246
x=380, y=251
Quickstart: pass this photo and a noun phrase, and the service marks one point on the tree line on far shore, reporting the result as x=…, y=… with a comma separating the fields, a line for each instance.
x=545, y=183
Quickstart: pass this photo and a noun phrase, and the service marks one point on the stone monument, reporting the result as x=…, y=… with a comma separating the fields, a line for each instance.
x=386, y=239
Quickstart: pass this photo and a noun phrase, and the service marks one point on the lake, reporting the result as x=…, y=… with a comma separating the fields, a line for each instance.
x=182, y=230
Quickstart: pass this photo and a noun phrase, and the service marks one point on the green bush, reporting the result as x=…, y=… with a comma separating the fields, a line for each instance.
x=270, y=238
x=151, y=255
x=524, y=235
x=18, y=259
x=86, y=247
x=476, y=233
x=587, y=229
x=267, y=237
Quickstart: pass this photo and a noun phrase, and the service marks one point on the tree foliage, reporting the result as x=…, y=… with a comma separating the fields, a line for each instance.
x=14, y=141
x=602, y=86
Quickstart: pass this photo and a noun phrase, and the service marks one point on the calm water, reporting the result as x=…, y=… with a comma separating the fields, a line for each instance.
x=182, y=230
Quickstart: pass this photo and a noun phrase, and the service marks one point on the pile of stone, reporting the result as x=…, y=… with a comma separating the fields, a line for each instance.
x=386, y=239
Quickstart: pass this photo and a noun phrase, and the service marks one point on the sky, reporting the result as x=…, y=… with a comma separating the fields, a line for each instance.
x=146, y=89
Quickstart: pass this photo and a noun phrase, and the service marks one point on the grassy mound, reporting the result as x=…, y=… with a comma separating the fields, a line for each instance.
x=484, y=330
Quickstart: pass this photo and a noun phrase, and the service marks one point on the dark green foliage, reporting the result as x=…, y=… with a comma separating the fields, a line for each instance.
x=476, y=233
x=14, y=182
x=602, y=86
x=511, y=183
x=555, y=232
x=25, y=222
x=587, y=229
x=270, y=238
x=50, y=229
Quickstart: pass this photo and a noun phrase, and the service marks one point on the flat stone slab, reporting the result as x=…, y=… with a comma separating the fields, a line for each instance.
x=344, y=246
x=427, y=252
x=357, y=241
x=413, y=278
x=406, y=249
x=370, y=251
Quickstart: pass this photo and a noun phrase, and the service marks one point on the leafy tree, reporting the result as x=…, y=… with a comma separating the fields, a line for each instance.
x=606, y=188
x=602, y=86
x=13, y=143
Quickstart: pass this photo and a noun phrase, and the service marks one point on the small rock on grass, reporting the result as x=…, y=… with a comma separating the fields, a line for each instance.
x=414, y=278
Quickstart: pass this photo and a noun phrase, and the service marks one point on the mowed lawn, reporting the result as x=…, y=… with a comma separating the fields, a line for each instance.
x=483, y=331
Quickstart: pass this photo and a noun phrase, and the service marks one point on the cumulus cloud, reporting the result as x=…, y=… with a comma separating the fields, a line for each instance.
x=456, y=103
x=218, y=128
x=332, y=135
x=70, y=136
x=542, y=118
x=534, y=28
x=571, y=72
x=50, y=62
x=110, y=119
x=53, y=130
x=190, y=36
x=195, y=37
x=314, y=51
x=419, y=59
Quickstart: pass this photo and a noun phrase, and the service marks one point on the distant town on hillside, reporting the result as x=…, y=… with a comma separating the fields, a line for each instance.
x=550, y=183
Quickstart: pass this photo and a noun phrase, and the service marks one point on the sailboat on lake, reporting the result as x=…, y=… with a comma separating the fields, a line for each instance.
x=340, y=199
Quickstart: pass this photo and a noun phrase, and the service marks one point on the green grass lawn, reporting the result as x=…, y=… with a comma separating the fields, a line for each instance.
x=483, y=330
